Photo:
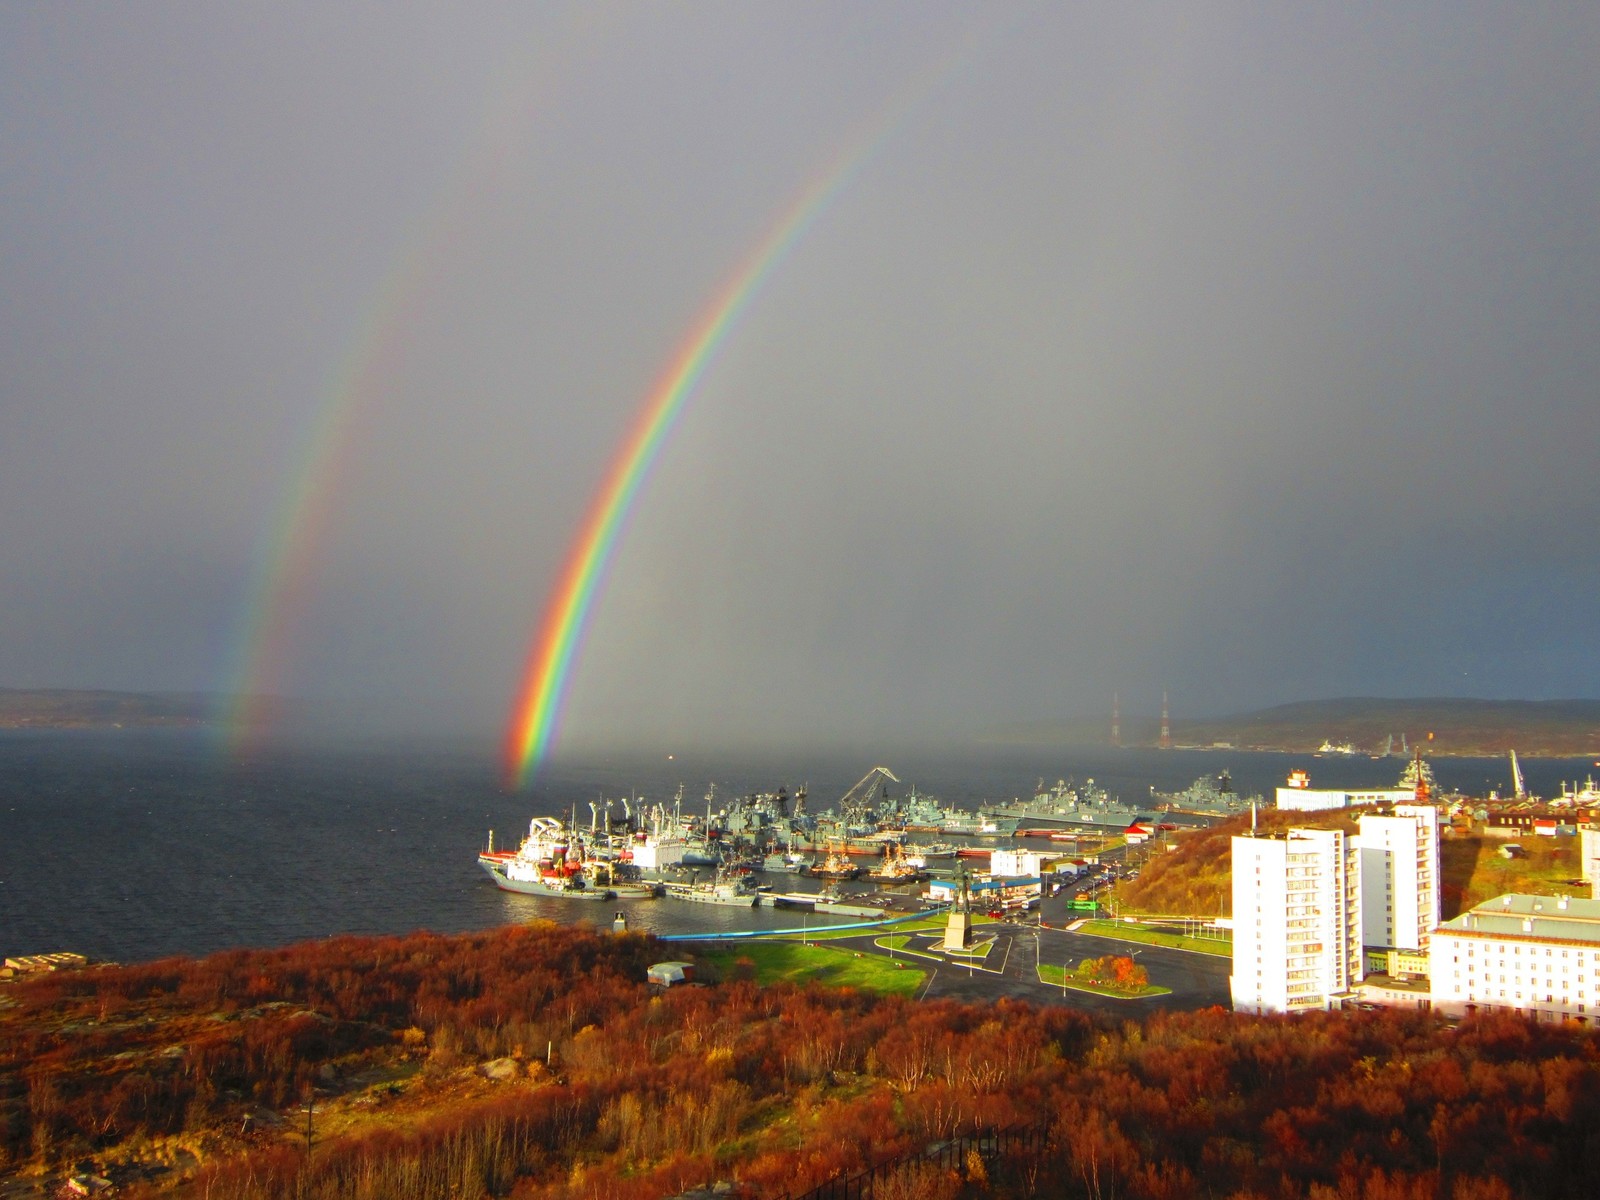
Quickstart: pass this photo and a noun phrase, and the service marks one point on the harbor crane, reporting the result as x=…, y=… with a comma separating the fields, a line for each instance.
x=859, y=801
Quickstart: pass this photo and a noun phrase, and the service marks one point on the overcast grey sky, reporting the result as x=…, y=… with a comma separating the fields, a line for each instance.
x=1248, y=351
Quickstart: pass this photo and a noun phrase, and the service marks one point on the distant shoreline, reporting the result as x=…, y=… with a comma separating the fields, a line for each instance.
x=1375, y=728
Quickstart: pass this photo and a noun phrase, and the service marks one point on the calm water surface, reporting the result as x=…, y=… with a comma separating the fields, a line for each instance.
x=132, y=845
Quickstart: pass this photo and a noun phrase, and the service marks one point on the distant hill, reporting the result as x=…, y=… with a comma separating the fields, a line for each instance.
x=1531, y=727
x=28, y=708
x=1548, y=728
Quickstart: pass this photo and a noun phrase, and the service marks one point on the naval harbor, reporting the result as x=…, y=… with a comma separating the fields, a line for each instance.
x=879, y=851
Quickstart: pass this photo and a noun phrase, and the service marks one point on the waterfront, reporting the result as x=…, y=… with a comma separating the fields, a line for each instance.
x=130, y=845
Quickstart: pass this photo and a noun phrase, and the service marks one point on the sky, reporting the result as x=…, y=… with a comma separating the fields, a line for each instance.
x=1235, y=350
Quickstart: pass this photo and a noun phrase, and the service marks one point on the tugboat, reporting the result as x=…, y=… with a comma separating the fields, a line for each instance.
x=894, y=867
x=836, y=865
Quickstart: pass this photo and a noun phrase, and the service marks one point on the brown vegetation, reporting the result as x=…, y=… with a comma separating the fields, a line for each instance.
x=1473, y=869
x=1196, y=879
x=428, y=1059
x=1117, y=972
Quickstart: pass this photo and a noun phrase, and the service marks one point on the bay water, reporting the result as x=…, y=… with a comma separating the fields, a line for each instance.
x=131, y=845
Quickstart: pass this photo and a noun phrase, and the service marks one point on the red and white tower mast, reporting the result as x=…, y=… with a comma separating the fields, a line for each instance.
x=1166, y=724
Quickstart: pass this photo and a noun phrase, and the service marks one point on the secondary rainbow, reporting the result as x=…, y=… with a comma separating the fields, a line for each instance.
x=549, y=668
x=291, y=545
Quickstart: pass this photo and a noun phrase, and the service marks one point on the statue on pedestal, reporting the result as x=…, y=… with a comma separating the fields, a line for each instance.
x=958, y=929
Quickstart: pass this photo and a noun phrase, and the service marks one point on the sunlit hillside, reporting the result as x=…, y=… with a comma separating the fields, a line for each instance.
x=534, y=1062
x=1193, y=878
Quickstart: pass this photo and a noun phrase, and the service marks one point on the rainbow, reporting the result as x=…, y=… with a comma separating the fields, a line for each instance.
x=549, y=667
x=536, y=715
x=290, y=546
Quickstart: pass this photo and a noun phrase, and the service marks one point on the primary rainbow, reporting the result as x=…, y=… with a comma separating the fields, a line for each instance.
x=536, y=716
x=549, y=667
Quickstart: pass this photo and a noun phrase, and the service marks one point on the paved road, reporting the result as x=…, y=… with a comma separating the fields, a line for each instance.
x=1010, y=969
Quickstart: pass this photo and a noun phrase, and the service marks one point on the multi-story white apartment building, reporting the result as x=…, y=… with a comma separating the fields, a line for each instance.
x=1539, y=955
x=1399, y=877
x=1296, y=920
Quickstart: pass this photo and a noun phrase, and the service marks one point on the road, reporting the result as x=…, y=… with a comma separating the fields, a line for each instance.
x=1010, y=969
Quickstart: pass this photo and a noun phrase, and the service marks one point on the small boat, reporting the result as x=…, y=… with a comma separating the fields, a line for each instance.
x=830, y=902
x=724, y=889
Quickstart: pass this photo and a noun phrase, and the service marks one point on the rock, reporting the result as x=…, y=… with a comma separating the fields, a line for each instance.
x=501, y=1068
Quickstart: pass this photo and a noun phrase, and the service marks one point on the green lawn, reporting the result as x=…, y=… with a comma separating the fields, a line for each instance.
x=1051, y=974
x=780, y=961
x=1126, y=932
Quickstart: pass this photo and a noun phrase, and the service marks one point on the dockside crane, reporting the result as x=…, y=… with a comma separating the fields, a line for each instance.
x=858, y=802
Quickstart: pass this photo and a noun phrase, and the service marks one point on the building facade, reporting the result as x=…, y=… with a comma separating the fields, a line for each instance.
x=1537, y=955
x=1297, y=798
x=1296, y=920
x=1589, y=850
x=1399, y=877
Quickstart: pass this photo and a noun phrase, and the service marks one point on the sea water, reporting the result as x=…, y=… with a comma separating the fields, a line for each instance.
x=135, y=844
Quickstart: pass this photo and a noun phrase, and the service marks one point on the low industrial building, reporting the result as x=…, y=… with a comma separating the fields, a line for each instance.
x=1299, y=796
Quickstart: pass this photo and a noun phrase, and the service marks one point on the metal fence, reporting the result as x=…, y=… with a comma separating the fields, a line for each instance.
x=988, y=1143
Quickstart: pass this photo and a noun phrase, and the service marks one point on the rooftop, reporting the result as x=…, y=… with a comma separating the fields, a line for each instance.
x=1556, y=918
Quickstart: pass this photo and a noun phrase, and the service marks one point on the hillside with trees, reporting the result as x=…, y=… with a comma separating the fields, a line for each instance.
x=1194, y=879
x=1535, y=728
x=534, y=1062
x=39, y=708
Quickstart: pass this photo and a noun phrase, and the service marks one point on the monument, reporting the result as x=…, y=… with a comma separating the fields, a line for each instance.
x=958, y=928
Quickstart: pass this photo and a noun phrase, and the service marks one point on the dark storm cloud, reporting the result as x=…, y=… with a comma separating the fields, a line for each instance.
x=1243, y=352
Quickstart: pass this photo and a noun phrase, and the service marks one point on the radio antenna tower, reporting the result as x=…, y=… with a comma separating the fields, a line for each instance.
x=1166, y=724
x=1116, y=723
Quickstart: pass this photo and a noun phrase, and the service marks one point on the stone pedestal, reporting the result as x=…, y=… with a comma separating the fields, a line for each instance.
x=958, y=931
